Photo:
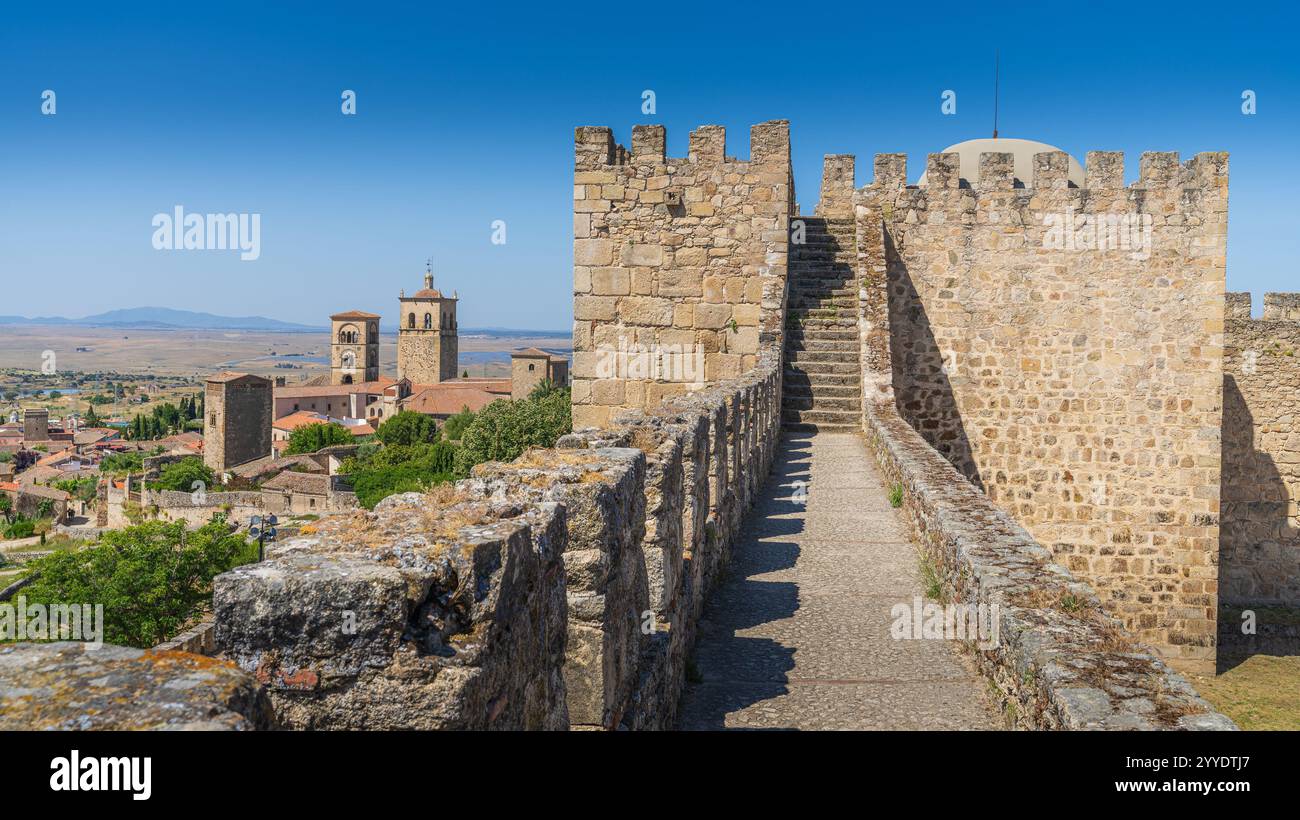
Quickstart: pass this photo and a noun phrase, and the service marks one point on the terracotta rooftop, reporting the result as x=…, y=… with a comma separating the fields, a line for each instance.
x=299, y=419
x=446, y=400
x=537, y=353
x=304, y=391
x=355, y=314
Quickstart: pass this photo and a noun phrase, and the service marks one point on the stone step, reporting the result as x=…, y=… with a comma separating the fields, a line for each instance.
x=829, y=391
x=816, y=381
x=817, y=356
x=818, y=268
x=845, y=403
x=798, y=427
x=819, y=368
x=847, y=418
x=836, y=277
x=820, y=323
x=803, y=305
x=824, y=287
x=822, y=334
x=849, y=347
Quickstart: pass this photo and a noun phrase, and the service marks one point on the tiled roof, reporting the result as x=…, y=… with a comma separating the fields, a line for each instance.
x=302, y=418
x=289, y=481
x=44, y=492
x=446, y=400
x=355, y=314
x=230, y=376
x=310, y=390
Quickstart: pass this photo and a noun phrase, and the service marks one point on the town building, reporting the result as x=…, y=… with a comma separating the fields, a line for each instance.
x=237, y=427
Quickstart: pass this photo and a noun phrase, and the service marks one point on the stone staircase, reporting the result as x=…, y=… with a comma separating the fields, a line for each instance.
x=823, y=376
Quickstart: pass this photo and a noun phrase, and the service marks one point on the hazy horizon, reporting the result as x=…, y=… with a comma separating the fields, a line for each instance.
x=464, y=119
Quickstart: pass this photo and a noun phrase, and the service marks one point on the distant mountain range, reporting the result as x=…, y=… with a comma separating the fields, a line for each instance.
x=157, y=318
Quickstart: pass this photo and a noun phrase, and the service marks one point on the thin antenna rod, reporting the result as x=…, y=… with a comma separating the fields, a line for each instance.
x=996, y=70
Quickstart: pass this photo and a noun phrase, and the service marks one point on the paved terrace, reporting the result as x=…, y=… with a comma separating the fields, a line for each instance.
x=798, y=634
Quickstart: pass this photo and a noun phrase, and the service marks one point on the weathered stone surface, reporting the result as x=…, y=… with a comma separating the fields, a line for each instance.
x=1063, y=347
x=664, y=245
x=414, y=616
x=66, y=686
x=1061, y=662
x=1259, y=543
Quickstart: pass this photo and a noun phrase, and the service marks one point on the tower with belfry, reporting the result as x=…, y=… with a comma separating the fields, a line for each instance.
x=427, y=344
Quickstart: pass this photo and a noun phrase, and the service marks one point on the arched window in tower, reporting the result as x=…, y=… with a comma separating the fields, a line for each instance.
x=428, y=321
x=410, y=321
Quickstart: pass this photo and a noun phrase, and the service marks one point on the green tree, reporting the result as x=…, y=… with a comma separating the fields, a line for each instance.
x=122, y=463
x=181, y=475
x=455, y=426
x=504, y=429
x=311, y=437
x=542, y=389
x=91, y=418
x=6, y=507
x=152, y=579
x=408, y=428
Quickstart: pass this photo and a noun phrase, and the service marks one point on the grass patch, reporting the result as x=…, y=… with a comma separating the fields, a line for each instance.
x=930, y=580
x=896, y=496
x=1261, y=694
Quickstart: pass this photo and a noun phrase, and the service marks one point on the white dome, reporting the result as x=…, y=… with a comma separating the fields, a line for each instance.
x=1022, y=152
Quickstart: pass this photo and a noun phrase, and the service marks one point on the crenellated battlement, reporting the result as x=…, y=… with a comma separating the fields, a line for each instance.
x=595, y=147
x=1103, y=171
x=1278, y=307
x=1282, y=307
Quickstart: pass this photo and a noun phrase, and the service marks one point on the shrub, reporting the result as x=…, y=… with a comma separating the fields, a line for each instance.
x=455, y=426
x=152, y=579
x=122, y=463
x=181, y=475
x=503, y=430
x=22, y=528
x=400, y=469
x=311, y=437
x=408, y=428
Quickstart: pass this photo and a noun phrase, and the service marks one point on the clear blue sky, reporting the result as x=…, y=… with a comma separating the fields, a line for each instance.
x=466, y=115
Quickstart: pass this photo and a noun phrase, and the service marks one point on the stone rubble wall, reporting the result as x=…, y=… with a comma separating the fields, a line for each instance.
x=424, y=614
x=1081, y=389
x=1259, y=545
x=679, y=263
x=1060, y=661
x=559, y=590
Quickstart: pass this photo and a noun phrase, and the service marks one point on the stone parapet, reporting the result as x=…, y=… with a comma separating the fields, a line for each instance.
x=68, y=686
x=1060, y=662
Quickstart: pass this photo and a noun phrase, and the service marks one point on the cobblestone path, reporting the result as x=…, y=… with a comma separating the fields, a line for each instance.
x=797, y=635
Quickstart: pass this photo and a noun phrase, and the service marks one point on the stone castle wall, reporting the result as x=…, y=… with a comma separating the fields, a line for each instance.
x=1080, y=387
x=679, y=263
x=1259, y=546
x=560, y=590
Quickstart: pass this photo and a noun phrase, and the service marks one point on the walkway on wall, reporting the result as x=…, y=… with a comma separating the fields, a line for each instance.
x=797, y=636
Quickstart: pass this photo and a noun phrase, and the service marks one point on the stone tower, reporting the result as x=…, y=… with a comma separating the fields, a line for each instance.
x=36, y=425
x=427, y=347
x=354, y=347
x=237, y=420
